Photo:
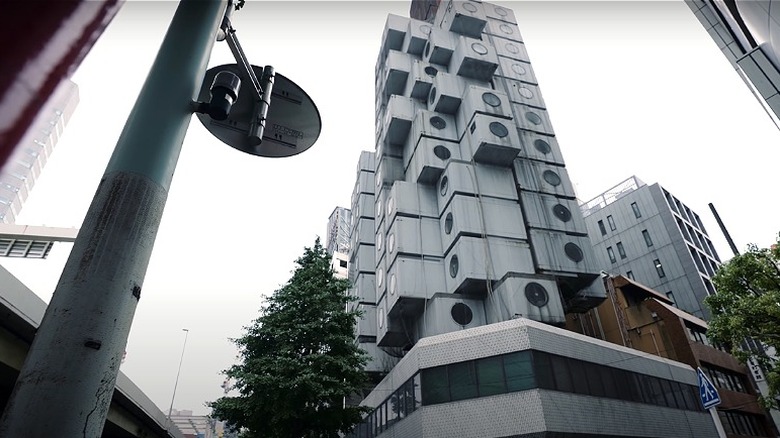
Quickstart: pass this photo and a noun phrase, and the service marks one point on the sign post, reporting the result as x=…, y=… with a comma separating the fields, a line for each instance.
x=710, y=399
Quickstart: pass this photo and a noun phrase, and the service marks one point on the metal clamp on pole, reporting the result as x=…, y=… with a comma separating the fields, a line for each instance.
x=261, y=109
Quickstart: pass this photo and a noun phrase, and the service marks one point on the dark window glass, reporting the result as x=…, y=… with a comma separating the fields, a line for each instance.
x=611, y=254
x=679, y=394
x=640, y=390
x=623, y=382
x=434, y=386
x=659, y=268
x=609, y=380
x=579, y=377
x=593, y=372
x=648, y=240
x=635, y=207
x=382, y=418
x=542, y=371
x=602, y=228
x=671, y=398
x=561, y=374
x=692, y=398
x=490, y=375
x=397, y=405
x=630, y=274
x=611, y=223
x=463, y=380
x=621, y=250
x=656, y=392
x=417, y=394
x=519, y=371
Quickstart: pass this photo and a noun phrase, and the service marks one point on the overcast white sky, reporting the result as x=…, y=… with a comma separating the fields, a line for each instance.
x=633, y=88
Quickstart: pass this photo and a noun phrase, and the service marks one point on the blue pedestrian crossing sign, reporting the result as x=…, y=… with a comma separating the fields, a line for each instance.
x=707, y=392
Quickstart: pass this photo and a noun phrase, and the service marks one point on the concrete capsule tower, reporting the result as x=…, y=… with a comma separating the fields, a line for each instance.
x=464, y=215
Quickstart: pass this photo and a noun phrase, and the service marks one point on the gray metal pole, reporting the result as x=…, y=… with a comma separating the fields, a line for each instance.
x=67, y=381
x=181, y=361
x=724, y=230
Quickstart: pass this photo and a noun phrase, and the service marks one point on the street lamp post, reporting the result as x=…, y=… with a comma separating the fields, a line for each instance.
x=181, y=360
x=67, y=381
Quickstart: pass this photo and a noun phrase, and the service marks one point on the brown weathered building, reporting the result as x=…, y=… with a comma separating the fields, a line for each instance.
x=638, y=317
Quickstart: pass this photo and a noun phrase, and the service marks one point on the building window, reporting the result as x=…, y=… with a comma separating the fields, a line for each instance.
x=738, y=423
x=343, y=263
x=611, y=223
x=725, y=379
x=670, y=295
x=611, y=254
x=630, y=274
x=602, y=228
x=637, y=213
x=648, y=240
x=659, y=268
x=621, y=250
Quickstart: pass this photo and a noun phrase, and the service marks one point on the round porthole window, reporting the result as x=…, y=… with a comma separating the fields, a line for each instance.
x=491, y=99
x=431, y=71
x=501, y=11
x=542, y=146
x=380, y=277
x=454, y=266
x=551, y=177
x=379, y=241
x=441, y=152
x=561, y=212
x=392, y=284
x=432, y=96
x=378, y=179
x=533, y=118
x=525, y=93
x=498, y=129
x=437, y=122
x=378, y=210
x=427, y=49
x=380, y=318
x=536, y=294
x=573, y=252
x=512, y=48
x=506, y=29
x=519, y=69
x=391, y=243
x=479, y=48
x=471, y=7
x=390, y=203
x=443, y=185
x=425, y=29
x=448, y=224
x=461, y=314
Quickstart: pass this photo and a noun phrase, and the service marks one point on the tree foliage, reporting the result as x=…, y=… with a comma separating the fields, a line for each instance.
x=298, y=359
x=746, y=311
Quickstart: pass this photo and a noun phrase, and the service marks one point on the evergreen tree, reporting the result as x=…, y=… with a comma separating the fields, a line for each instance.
x=746, y=311
x=298, y=359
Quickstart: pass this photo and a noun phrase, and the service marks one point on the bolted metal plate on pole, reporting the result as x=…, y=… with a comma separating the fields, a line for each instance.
x=292, y=126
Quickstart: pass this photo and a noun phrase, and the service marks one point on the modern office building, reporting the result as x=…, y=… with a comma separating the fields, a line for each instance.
x=28, y=158
x=337, y=241
x=522, y=378
x=199, y=426
x=23, y=168
x=339, y=226
x=465, y=214
x=645, y=233
x=748, y=34
x=638, y=317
